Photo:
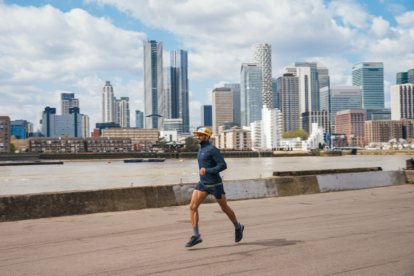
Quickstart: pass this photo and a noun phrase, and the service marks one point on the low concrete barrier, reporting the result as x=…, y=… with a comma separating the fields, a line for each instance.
x=32, y=206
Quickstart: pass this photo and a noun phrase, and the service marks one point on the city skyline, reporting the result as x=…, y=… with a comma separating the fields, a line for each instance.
x=24, y=94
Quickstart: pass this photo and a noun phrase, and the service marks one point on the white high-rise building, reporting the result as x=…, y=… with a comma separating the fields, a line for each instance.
x=256, y=134
x=402, y=103
x=123, y=112
x=305, y=87
x=39, y=121
x=315, y=138
x=85, y=126
x=271, y=128
x=262, y=54
x=108, y=112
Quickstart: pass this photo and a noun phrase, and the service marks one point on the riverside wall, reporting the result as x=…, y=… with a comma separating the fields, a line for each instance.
x=44, y=205
x=127, y=155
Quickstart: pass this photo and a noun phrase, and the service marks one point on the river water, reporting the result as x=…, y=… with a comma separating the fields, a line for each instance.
x=101, y=174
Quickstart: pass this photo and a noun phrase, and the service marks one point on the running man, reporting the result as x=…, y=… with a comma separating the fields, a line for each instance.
x=210, y=163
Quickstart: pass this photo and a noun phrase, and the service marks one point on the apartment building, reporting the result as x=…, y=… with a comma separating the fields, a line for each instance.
x=135, y=134
x=383, y=131
x=351, y=123
x=234, y=138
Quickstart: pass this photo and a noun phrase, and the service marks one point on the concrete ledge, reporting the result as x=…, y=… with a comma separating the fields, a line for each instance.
x=354, y=181
x=44, y=205
x=409, y=174
x=328, y=171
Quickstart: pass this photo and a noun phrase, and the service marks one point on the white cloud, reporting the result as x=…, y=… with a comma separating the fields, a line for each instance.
x=396, y=8
x=195, y=113
x=380, y=27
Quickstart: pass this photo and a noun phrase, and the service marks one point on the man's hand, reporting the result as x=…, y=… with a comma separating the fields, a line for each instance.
x=203, y=171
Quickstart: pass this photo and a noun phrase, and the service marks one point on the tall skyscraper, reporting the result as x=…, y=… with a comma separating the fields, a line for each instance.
x=206, y=115
x=85, y=126
x=175, y=88
x=312, y=76
x=235, y=88
x=370, y=76
x=405, y=77
x=108, y=112
x=67, y=100
x=139, y=119
x=402, y=101
x=275, y=95
x=123, y=112
x=337, y=98
x=251, y=99
x=288, y=90
x=262, y=54
x=222, y=107
x=60, y=125
x=153, y=85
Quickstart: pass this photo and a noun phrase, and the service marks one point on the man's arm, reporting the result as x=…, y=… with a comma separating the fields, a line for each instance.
x=218, y=158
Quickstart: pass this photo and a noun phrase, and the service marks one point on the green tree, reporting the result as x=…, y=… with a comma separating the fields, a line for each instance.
x=26, y=149
x=191, y=144
x=12, y=147
x=162, y=143
x=296, y=133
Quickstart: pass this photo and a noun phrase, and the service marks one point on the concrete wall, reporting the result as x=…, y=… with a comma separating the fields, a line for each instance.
x=19, y=207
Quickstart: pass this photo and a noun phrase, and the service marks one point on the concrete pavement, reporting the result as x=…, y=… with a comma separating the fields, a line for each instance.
x=363, y=232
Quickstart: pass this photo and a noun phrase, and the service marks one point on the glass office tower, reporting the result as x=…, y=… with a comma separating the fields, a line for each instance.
x=153, y=85
x=405, y=77
x=139, y=119
x=370, y=76
x=235, y=88
x=275, y=95
x=67, y=100
x=251, y=103
x=206, y=115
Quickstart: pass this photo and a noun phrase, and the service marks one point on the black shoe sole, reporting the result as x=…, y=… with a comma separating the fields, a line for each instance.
x=191, y=245
x=241, y=234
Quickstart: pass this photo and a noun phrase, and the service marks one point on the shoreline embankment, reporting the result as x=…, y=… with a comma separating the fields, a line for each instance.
x=45, y=205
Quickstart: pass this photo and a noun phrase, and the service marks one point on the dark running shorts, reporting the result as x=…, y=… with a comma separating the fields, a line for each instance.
x=216, y=191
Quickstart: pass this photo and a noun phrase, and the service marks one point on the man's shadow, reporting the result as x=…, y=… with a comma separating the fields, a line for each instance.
x=274, y=242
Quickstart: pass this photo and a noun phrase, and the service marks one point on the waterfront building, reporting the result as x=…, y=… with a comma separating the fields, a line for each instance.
x=73, y=145
x=370, y=77
x=235, y=88
x=206, y=115
x=405, y=77
x=61, y=125
x=377, y=114
x=135, y=134
x=383, y=131
x=67, y=100
x=174, y=125
x=101, y=126
x=337, y=98
x=262, y=54
x=289, y=103
x=226, y=126
x=5, y=136
x=351, y=122
x=402, y=101
x=271, y=128
x=20, y=129
x=108, y=103
x=315, y=139
x=234, y=138
x=222, y=109
x=256, y=135
x=275, y=95
x=139, y=119
x=319, y=117
x=95, y=133
x=169, y=135
x=251, y=100
x=153, y=85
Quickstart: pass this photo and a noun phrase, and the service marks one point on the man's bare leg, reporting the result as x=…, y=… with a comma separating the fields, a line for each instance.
x=226, y=208
x=229, y=212
x=196, y=200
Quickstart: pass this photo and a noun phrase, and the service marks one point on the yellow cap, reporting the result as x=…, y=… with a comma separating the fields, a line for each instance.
x=203, y=130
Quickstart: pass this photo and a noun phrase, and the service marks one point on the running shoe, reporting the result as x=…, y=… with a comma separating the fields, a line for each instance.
x=239, y=233
x=193, y=241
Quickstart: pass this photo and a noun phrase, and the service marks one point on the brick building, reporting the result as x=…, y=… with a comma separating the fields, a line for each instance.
x=79, y=144
x=4, y=134
x=383, y=131
x=351, y=123
x=135, y=134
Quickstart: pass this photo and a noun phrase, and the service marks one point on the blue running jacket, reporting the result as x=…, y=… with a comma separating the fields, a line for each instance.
x=210, y=158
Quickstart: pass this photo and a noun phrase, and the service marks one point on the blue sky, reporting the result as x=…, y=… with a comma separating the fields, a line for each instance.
x=47, y=47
